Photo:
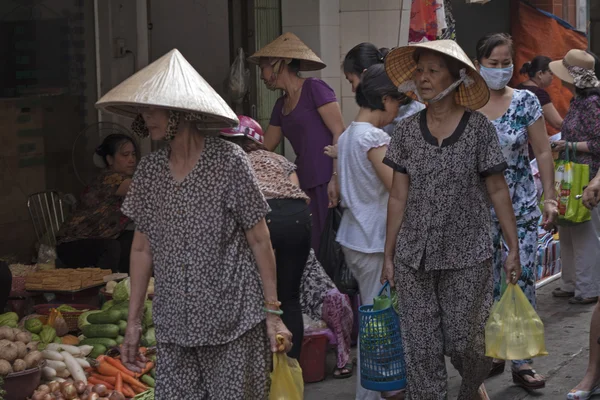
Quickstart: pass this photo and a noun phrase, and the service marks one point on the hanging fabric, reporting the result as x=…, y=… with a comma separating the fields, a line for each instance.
x=449, y=32
x=423, y=21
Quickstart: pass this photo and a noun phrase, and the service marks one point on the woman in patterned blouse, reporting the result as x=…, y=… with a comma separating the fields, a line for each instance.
x=518, y=118
x=98, y=234
x=448, y=168
x=579, y=244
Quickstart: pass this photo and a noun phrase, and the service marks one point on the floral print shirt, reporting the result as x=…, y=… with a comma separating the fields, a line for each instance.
x=447, y=222
x=208, y=289
x=273, y=172
x=582, y=124
x=98, y=215
x=524, y=111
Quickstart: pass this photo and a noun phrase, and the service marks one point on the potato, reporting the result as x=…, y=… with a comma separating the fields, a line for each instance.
x=16, y=331
x=21, y=349
x=4, y=342
x=33, y=359
x=5, y=368
x=19, y=365
x=7, y=333
x=9, y=352
x=32, y=346
x=24, y=337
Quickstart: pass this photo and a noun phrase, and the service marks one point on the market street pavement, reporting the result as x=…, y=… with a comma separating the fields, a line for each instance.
x=567, y=335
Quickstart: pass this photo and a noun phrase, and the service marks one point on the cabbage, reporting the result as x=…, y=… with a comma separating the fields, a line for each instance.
x=149, y=338
x=121, y=291
x=147, y=319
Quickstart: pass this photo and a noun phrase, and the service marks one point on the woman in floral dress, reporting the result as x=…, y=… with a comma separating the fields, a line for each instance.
x=518, y=119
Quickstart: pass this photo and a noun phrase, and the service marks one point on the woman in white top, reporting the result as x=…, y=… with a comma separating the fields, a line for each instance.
x=364, y=185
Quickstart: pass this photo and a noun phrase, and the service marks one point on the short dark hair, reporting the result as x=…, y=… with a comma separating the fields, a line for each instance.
x=374, y=86
x=486, y=45
x=112, y=143
x=247, y=144
x=539, y=63
x=362, y=56
x=453, y=65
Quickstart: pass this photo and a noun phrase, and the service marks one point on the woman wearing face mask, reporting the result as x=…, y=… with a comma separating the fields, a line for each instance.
x=365, y=182
x=450, y=151
x=200, y=226
x=539, y=77
x=518, y=119
x=309, y=116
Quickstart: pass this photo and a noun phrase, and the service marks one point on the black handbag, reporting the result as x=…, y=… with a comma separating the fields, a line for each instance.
x=331, y=256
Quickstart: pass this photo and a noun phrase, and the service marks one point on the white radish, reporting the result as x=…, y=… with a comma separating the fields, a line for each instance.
x=52, y=355
x=85, y=350
x=83, y=362
x=74, y=367
x=56, y=365
x=63, y=374
x=73, y=350
x=48, y=373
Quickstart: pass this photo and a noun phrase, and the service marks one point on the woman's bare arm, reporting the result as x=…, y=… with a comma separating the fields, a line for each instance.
x=273, y=137
x=395, y=211
x=123, y=188
x=552, y=116
x=259, y=240
x=384, y=172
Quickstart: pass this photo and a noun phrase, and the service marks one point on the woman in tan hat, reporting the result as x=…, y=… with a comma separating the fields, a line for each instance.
x=518, y=118
x=308, y=115
x=447, y=167
x=200, y=226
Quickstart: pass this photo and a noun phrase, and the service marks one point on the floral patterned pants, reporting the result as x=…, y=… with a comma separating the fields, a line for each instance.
x=237, y=370
x=528, y=241
x=444, y=313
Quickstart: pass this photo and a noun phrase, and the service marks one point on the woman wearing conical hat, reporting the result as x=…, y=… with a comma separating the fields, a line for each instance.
x=448, y=167
x=200, y=226
x=308, y=115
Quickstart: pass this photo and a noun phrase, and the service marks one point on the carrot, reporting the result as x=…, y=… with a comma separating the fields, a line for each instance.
x=107, y=369
x=110, y=379
x=138, y=389
x=97, y=381
x=147, y=368
x=119, y=365
x=128, y=391
x=119, y=383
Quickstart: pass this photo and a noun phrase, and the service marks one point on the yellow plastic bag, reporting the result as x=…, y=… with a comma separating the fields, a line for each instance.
x=286, y=379
x=514, y=331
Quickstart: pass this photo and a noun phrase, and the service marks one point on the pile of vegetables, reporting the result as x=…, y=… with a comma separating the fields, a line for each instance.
x=111, y=373
x=76, y=390
x=65, y=361
x=17, y=351
x=120, y=291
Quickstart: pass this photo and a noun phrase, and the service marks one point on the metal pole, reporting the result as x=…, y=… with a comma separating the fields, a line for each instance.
x=98, y=60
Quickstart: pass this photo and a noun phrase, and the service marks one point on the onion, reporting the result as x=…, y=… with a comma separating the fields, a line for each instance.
x=89, y=387
x=80, y=386
x=44, y=389
x=101, y=390
x=37, y=395
x=93, y=396
x=53, y=386
x=48, y=397
x=69, y=390
x=115, y=395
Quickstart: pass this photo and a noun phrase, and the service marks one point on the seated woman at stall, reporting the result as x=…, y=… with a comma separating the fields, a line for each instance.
x=97, y=233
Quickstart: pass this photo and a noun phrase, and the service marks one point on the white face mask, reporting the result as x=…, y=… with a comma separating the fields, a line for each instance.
x=496, y=78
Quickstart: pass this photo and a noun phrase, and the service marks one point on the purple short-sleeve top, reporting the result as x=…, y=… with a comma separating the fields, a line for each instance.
x=307, y=132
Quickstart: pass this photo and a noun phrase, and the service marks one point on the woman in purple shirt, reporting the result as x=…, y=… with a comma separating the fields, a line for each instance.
x=309, y=116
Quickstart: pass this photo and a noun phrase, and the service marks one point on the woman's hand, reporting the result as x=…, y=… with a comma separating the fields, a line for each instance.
x=550, y=216
x=130, y=350
x=275, y=326
x=558, y=145
x=387, y=273
x=333, y=192
x=591, y=194
x=331, y=151
x=512, y=266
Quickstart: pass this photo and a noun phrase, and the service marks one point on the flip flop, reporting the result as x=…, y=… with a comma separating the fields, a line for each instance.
x=583, y=394
x=581, y=300
x=497, y=369
x=344, y=375
x=519, y=379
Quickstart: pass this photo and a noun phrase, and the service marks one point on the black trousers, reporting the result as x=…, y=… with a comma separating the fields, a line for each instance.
x=110, y=254
x=290, y=227
x=5, y=284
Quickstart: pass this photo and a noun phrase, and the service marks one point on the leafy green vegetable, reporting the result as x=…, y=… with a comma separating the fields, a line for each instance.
x=67, y=308
x=149, y=338
x=34, y=325
x=48, y=334
x=121, y=291
x=9, y=319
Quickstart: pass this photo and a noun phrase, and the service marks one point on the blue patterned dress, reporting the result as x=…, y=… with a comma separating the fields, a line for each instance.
x=524, y=111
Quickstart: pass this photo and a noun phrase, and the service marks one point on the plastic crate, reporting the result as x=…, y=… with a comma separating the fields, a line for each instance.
x=382, y=366
x=313, y=356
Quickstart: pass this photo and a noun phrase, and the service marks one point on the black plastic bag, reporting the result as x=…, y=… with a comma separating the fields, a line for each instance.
x=331, y=256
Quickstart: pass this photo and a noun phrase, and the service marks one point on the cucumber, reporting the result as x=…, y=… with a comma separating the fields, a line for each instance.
x=98, y=350
x=106, y=342
x=101, y=331
x=105, y=317
x=119, y=339
x=123, y=309
x=153, y=372
x=148, y=380
x=122, y=327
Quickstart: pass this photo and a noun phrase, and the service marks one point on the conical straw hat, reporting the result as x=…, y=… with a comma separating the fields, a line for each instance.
x=289, y=45
x=400, y=67
x=169, y=82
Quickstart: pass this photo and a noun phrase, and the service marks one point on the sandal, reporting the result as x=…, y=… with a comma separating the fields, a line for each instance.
x=558, y=292
x=519, y=379
x=583, y=394
x=340, y=374
x=497, y=369
x=581, y=300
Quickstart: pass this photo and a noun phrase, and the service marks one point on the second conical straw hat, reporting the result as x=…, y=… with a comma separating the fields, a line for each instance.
x=289, y=45
x=169, y=82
